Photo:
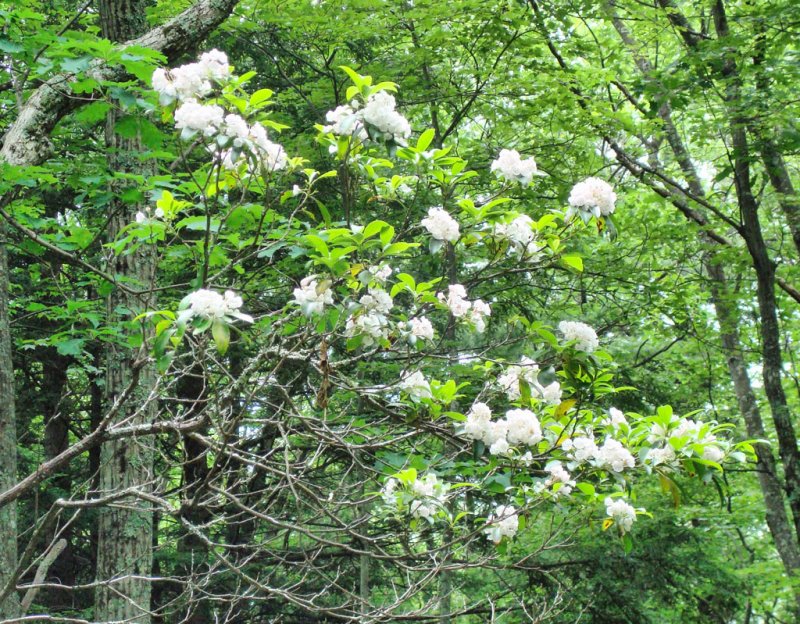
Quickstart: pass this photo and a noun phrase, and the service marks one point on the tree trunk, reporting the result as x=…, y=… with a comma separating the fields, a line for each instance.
x=9, y=608
x=124, y=547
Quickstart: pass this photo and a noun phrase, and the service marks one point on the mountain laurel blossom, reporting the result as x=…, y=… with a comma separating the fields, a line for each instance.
x=441, y=225
x=504, y=522
x=520, y=235
x=416, y=386
x=623, y=514
x=527, y=370
x=456, y=300
x=312, y=296
x=583, y=335
x=193, y=117
x=209, y=304
x=523, y=427
x=615, y=456
x=510, y=166
x=421, y=327
x=193, y=80
x=378, y=113
x=592, y=197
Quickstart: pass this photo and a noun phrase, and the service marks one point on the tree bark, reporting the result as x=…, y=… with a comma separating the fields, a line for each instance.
x=10, y=607
x=124, y=544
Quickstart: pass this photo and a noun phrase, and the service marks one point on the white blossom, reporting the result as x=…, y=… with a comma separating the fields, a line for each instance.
x=521, y=235
x=615, y=418
x=582, y=334
x=312, y=296
x=580, y=449
x=478, y=312
x=477, y=423
x=416, y=386
x=593, y=196
x=509, y=166
x=615, y=456
x=192, y=117
x=441, y=225
x=430, y=493
x=523, y=427
x=371, y=324
x=210, y=304
x=215, y=65
x=271, y=155
x=499, y=447
x=623, y=514
x=421, y=327
x=381, y=273
x=456, y=300
x=551, y=393
x=558, y=474
x=236, y=128
x=713, y=453
x=379, y=112
x=658, y=456
x=527, y=370
x=504, y=522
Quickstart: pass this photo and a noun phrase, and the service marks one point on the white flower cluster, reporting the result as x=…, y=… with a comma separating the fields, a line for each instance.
x=371, y=321
x=210, y=304
x=191, y=81
x=558, y=475
x=192, y=117
x=312, y=296
x=615, y=456
x=510, y=166
x=519, y=427
x=504, y=522
x=416, y=386
x=528, y=371
x=428, y=494
x=380, y=113
x=441, y=225
x=377, y=119
x=683, y=434
x=612, y=455
x=381, y=273
x=233, y=134
x=521, y=235
x=623, y=514
x=420, y=327
x=583, y=335
x=253, y=139
x=460, y=307
x=592, y=197
x=616, y=419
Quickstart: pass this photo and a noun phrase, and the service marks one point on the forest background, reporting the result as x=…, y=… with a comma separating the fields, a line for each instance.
x=229, y=471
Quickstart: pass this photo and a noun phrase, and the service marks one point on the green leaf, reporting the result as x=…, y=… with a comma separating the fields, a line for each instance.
x=425, y=139
x=70, y=347
x=573, y=261
x=221, y=334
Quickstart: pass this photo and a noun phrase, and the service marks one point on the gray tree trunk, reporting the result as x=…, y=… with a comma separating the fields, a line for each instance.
x=125, y=538
x=9, y=608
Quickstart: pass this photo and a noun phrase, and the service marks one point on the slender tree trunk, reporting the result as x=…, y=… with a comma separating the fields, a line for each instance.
x=124, y=549
x=9, y=608
x=772, y=359
x=192, y=550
